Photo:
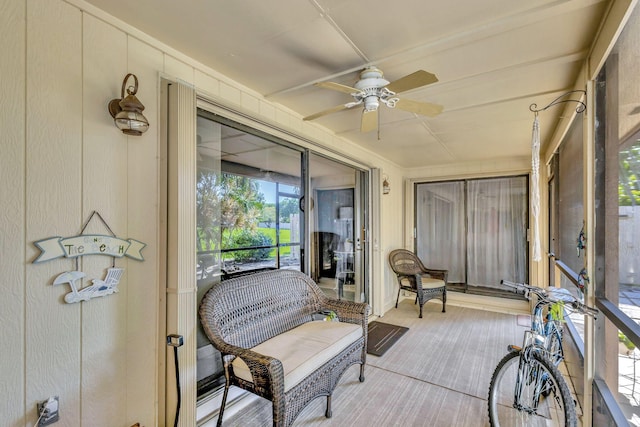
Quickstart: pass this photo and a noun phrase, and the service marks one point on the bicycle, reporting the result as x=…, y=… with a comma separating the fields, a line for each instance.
x=527, y=388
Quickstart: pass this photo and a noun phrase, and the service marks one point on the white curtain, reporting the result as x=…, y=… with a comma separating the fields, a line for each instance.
x=496, y=234
x=440, y=227
x=478, y=234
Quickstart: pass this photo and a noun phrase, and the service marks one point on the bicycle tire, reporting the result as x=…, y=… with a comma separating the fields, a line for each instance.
x=557, y=408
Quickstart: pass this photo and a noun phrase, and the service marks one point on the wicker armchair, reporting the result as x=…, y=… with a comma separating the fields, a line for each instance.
x=413, y=276
x=241, y=313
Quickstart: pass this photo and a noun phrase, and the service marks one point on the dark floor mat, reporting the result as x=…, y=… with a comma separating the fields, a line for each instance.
x=382, y=336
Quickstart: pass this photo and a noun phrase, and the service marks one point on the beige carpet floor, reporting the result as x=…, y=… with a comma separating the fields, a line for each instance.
x=437, y=374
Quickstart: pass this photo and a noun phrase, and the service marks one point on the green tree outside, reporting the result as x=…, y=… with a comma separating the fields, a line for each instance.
x=225, y=203
x=229, y=209
x=629, y=177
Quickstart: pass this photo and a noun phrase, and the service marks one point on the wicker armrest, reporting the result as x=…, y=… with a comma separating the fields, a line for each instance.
x=266, y=371
x=350, y=312
x=438, y=274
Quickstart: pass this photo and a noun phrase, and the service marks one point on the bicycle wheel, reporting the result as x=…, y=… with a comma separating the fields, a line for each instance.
x=529, y=393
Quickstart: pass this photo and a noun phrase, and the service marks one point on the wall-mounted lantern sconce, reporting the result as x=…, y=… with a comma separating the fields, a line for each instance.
x=386, y=188
x=127, y=111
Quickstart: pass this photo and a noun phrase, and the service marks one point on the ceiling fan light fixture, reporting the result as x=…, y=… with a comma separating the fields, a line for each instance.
x=371, y=103
x=371, y=80
x=372, y=89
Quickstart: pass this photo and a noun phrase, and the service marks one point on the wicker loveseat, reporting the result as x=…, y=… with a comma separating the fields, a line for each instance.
x=263, y=326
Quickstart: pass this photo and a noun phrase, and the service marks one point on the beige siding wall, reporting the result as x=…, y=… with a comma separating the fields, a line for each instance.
x=12, y=208
x=61, y=158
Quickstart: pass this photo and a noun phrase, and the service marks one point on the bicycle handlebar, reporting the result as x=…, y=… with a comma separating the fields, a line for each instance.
x=552, y=295
x=591, y=311
x=525, y=288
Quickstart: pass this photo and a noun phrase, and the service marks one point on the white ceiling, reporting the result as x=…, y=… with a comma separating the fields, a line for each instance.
x=493, y=58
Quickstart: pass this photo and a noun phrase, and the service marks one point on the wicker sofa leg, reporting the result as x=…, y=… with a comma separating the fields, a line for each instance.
x=361, y=378
x=444, y=300
x=328, y=411
x=224, y=398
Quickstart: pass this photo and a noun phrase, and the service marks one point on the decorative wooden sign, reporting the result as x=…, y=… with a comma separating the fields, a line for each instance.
x=89, y=244
x=99, y=288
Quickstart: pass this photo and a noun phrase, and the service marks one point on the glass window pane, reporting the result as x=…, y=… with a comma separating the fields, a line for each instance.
x=240, y=179
x=208, y=230
x=289, y=189
x=268, y=213
x=497, y=231
x=480, y=228
x=289, y=217
x=337, y=209
x=440, y=218
x=290, y=257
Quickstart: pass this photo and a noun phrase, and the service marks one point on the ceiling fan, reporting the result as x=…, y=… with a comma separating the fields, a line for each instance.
x=372, y=89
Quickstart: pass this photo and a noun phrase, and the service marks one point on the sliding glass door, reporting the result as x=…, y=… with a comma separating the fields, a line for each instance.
x=497, y=231
x=476, y=229
x=253, y=214
x=248, y=211
x=440, y=227
x=338, y=233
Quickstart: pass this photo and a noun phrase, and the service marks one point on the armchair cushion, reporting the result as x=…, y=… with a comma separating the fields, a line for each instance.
x=427, y=282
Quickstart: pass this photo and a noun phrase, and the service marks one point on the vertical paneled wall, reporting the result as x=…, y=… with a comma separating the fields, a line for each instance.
x=104, y=171
x=61, y=158
x=53, y=202
x=12, y=207
x=142, y=184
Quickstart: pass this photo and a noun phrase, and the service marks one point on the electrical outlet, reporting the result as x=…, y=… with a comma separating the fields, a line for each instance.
x=48, y=411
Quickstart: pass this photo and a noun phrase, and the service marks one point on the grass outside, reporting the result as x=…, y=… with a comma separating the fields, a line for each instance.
x=285, y=237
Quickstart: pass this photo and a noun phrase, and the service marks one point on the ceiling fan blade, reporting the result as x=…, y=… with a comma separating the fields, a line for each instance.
x=369, y=121
x=424, y=108
x=337, y=86
x=412, y=81
x=330, y=111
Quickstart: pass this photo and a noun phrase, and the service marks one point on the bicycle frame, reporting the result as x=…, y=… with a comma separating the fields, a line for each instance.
x=526, y=373
x=548, y=328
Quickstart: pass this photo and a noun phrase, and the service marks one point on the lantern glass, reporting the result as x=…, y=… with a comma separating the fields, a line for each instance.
x=131, y=122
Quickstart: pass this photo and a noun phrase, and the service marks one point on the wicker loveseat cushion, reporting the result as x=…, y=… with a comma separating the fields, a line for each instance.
x=303, y=349
x=427, y=282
